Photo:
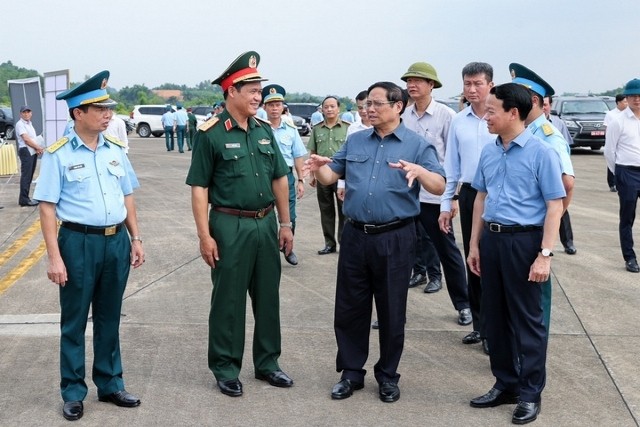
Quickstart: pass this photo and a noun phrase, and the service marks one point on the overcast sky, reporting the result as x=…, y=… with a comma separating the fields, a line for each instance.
x=327, y=46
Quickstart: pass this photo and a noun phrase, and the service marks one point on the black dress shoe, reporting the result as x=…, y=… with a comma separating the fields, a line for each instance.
x=570, y=249
x=29, y=203
x=493, y=398
x=231, y=388
x=121, y=398
x=389, y=392
x=291, y=258
x=525, y=412
x=327, y=250
x=344, y=389
x=276, y=379
x=72, y=410
x=464, y=317
x=417, y=279
x=375, y=325
x=485, y=346
x=632, y=266
x=472, y=337
x=433, y=286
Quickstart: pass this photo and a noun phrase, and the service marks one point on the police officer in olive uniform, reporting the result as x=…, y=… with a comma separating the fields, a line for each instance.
x=192, y=124
x=539, y=126
x=87, y=182
x=237, y=167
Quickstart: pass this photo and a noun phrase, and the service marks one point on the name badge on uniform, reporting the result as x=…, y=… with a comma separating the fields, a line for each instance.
x=114, y=163
x=232, y=145
x=264, y=141
x=78, y=166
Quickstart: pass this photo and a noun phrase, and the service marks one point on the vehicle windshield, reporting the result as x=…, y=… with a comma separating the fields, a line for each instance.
x=587, y=106
x=7, y=112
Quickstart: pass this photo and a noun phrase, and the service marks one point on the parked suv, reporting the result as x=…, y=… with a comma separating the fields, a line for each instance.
x=6, y=122
x=147, y=119
x=584, y=117
x=302, y=109
x=201, y=112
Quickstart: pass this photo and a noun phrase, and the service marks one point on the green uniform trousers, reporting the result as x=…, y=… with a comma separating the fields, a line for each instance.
x=249, y=262
x=98, y=269
x=328, y=203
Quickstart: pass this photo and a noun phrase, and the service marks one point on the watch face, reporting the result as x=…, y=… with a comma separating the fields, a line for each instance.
x=546, y=252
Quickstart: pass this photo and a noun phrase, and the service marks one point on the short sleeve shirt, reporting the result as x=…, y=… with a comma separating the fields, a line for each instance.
x=325, y=140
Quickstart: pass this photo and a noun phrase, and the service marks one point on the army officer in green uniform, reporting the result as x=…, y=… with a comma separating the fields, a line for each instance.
x=237, y=167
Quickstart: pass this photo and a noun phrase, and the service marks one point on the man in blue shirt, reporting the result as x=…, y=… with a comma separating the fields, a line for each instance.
x=378, y=241
x=516, y=216
x=181, y=118
x=317, y=116
x=169, y=124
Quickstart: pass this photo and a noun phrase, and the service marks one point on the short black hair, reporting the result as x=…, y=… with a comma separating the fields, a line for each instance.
x=513, y=95
x=361, y=96
x=330, y=97
x=394, y=93
x=473, y=68
x=620, y=97
x=238, y=86
x=84, y=109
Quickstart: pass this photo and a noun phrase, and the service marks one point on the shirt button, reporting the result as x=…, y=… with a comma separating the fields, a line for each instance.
x=373, y=177
x=256, y=174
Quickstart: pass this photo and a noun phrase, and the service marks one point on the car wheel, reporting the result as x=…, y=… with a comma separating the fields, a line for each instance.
x=144, y=130
x=9, y=132
x=157, y=134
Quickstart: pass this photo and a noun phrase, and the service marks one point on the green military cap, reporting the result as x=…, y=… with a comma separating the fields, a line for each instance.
x=243, y=69
x=272, y=93
x=527, y=78
x=632, y=87
x=422, y=70
x=90, y=92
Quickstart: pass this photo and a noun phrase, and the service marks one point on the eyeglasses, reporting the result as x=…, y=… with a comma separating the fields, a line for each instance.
x=378, y=104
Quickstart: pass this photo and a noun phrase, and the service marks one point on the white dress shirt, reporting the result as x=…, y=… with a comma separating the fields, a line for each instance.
x=622, y=140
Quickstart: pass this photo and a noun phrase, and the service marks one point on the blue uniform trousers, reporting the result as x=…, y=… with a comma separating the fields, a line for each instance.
x=180, y=134
x=513, y=312
x=628, y=185
x=98, y=268
x=168, y=137
x=372, y=265
x=291, y=181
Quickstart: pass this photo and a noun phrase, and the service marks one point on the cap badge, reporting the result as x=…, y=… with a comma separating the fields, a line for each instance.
x=513, y=73
x=253, y=63
x=104, y=84
x=272, y=91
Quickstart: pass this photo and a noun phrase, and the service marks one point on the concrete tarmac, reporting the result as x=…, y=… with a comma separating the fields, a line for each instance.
x=592, y=373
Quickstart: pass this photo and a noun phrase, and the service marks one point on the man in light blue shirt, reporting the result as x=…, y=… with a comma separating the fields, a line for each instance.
x=317, y=117
x=169, y=124
x=181, y=118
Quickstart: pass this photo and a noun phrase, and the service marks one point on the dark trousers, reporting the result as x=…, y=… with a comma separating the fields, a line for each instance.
x=168, y=137
x=291, y=181
x=453, y=265
x=427, y=261
x=513, y=312
x=566, y=232
x=249, y=263
x=611, y=179
x=27, y=169
x=467, y=198
x=628, y=185
x=372, y=266
x=98, y=269
x=329, y=203
x=191, y=134
x=180, y=131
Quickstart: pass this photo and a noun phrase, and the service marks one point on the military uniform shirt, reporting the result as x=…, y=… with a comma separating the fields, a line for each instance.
x=181, y=117
x=237, y=166
x=326, y=141
x=555, y=139
x=519, y=180
x=289, y=142
x=87, y=186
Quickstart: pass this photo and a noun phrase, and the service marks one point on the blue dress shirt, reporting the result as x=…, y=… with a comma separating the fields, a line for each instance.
x=289, y=141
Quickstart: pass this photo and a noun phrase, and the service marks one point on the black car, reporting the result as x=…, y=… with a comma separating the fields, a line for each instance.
x=584, y=117
x=6, y=122
x=303, y=127
x=302, y=109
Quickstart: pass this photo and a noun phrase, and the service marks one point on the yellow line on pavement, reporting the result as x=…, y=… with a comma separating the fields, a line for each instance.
x=20, y=243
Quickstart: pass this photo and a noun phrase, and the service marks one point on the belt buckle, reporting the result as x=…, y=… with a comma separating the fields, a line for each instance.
x=110, y=231
x=366, y=227
x=496, y=228
x=260, y=213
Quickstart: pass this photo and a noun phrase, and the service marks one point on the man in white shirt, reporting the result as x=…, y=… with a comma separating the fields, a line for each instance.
x=621, y=104
x=622, y=151
x=118, y=129
x=28, y=151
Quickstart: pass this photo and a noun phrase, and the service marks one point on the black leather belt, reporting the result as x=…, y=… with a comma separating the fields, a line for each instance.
x=380, y=228
x=494, y=227
x=466, y=185
x=260, y=213
x=90, y=229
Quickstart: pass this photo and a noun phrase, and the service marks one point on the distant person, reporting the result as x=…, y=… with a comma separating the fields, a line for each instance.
x=192, y=127
x=291, y=147
x=169, y=124
x=556, y=121
x=431, y=120
x=182, y=118
x=516, y=216
x=317, y=117
x=28, y=151
x=621, y=104
x=87, y=183
x=623, y=158
x=347, y=116
x=326, y=139
x=379, y=238
x=262, y=113
x=117, y=128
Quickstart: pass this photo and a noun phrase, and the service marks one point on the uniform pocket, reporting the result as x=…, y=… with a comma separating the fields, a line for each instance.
x=235, y=162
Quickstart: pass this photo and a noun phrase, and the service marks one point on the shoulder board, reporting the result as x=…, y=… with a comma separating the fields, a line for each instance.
x=208, y=124
x=291, y=125
x=318, y=124
x=114, y=140
x=59, y=143
x=346, y=121
x=547, y=129
x=262, y=120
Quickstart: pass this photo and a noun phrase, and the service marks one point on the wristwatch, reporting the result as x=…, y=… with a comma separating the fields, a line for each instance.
x=286, y=224
x=138, y=238
x=546, y=252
